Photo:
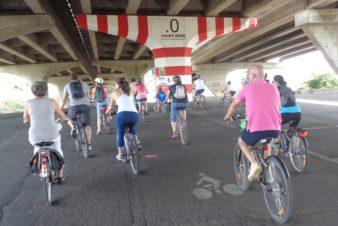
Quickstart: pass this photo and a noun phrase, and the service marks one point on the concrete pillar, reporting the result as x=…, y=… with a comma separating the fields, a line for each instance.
x=321, y=27
x=170, y=38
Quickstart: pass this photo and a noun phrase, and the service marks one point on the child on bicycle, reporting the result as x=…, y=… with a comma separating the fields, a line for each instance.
x=40, y=113
x=160, y=97
x=127, y=115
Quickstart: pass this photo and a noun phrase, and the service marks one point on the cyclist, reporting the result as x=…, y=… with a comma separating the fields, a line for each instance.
x=229, y=89
x=39, y=112
x=141, y=95
x=179, y=99
x=262, y=112
x=198, y=85
x=77, y=93
x=160, y=97
x=127, y=115
x=99, y=95
x=289, y=109
x=132, y=86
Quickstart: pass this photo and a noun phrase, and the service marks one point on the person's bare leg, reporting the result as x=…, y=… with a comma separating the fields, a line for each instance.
x=246, y=150
x=88, y=131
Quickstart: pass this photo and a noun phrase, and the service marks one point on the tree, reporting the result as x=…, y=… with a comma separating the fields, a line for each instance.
x=322, y=81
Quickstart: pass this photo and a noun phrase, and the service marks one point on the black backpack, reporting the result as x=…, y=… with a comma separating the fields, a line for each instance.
x=76, y=89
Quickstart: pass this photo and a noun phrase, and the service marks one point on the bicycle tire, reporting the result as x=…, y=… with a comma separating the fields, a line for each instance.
x=84, y=144
x=77, y=141
x=183, y=130
x=299, y=155
x=280, y=208
x=164, y=108
x=132, y=152
x=221, y=102
x=195, y=103
x=47, y=184
x=202, y=102
x=241, y=168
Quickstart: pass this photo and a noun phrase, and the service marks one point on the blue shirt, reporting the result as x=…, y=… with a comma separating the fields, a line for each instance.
x=291, y=109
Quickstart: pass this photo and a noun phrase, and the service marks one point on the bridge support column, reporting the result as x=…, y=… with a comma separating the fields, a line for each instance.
x=321, y=27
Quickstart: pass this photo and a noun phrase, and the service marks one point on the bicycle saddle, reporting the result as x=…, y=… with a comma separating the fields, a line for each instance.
x=44, y=144
x=266, y=140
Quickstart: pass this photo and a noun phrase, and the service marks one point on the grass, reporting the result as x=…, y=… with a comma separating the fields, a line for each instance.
x=11, y=106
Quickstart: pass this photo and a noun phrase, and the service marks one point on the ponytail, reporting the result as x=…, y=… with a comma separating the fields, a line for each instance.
x=124, y=86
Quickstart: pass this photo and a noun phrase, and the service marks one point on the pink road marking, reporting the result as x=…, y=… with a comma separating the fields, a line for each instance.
x=151, y=156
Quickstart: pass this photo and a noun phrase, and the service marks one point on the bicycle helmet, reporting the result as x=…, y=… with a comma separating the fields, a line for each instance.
x=99, y=80
x=177, y=79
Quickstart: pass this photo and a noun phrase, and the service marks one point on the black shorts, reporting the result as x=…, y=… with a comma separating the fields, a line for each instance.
x=251, y=138
x=83, y=111
x=291, y=117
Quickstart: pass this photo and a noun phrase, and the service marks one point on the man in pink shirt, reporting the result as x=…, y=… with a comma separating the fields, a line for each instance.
x=262, y=112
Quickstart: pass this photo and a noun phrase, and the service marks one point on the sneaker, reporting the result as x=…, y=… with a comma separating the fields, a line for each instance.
x=139, y=146
x=90, y=148
x=120, y=157
x=73, y=132
x=255, y=170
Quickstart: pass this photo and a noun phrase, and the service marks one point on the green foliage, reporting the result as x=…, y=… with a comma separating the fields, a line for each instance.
x=322, y=81
x=11, y=106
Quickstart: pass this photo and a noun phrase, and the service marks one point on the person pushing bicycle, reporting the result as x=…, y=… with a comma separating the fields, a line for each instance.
x=262, y=111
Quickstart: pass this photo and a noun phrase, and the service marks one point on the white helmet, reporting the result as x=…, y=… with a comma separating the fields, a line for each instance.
x=99, y=80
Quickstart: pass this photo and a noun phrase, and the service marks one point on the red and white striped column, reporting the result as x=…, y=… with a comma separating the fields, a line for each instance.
x=171, y=39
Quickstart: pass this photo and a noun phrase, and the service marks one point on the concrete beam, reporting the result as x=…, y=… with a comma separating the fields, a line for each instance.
x=219, y=7
x=269, y=47
x=254, y=9
x=119, y=48
x=6, y=61
x=321, y=27
x=176, y=6
x=252, y=45
x=36, y=72
x=87, y=9
x=130, y=68
x=296, y=53
x=14, y=26
x=31, y=41
x=276, y=18
x=287, y=49
x=139, y=52
x=16, y=53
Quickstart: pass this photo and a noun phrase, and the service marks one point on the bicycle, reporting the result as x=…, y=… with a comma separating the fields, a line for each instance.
x=182, y=126
x=81, y=140
x=143, y=111
x=274, y=179
x=294, y=145
x=160, y=106
x=199, y=101
x=132, y=149
x=228, y=97
x=107, y=124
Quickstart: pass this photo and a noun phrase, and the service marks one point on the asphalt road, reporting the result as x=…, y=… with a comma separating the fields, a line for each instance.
x=103, y=191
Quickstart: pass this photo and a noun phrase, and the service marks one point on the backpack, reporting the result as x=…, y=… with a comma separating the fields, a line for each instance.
x=100, y=95
x=76, y=89
x=287, y=97
x=180, y=92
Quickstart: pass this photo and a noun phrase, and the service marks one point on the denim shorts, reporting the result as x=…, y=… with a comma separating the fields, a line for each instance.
x=251, y=138
x=84, y=112
x=174, y=111
x=99, y=106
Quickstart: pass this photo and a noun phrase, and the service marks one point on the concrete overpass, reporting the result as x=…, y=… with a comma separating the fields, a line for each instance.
x=40, y=39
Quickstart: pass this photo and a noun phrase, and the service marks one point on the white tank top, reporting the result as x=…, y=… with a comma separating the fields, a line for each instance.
x=126, y=103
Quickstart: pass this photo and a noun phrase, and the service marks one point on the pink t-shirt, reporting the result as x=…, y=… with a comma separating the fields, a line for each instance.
x=262, y=104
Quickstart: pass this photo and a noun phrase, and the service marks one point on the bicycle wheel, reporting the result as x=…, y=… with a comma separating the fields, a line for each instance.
x=84, y=144
x=47, y=184
x=299, y=155
x=163, y=108
x=241, y=168
x=183, y=130
x=107, y=124
x=77, y=140
x=202, y=102
x=277, y=190
x=156, y=108
x=132, y=152
x=221, y=102
x=196, y=103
